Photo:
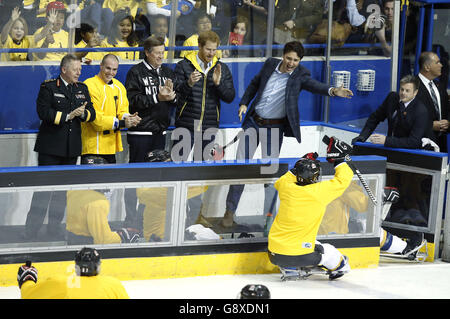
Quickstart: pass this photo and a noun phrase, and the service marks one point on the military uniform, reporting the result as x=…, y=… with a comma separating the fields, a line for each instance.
x=55, y=101
x=58, y=143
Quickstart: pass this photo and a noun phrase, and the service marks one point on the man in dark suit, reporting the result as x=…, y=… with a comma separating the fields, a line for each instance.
x=275, y=91
x=407, y=117
x=434, y=95
x=62, y=104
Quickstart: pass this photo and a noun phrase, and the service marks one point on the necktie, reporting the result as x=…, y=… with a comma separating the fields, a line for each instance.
x=435, y=100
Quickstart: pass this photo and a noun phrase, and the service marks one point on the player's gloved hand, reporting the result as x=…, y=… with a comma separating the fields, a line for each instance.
x=336, y=150
x=129, y=235
x=359, y=138
x=391, y=194
x=26, y=272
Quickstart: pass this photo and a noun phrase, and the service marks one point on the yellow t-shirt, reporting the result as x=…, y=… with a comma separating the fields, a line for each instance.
x=301, y=210
x=61, y=41
x=27, y=42
x=93, y=56
x=116, y=5
x=124, y=55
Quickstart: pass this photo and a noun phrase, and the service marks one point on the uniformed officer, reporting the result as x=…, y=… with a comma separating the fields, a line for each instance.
x=62, y=104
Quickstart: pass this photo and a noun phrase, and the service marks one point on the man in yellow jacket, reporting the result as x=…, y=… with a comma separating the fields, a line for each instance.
x=86, y=283
x=102, y=136
x=303, y=201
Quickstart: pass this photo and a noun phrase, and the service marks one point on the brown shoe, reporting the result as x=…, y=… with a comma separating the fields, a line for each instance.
x=227, y=220
x=203, y=221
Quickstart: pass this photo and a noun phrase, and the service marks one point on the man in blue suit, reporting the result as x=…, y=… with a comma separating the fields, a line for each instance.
x=274, y=111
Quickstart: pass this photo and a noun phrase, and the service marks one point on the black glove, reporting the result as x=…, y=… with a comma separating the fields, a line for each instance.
x=129, y=235
x=336, y=150
x=391, y=194
x=359, y=138
x=26, y=272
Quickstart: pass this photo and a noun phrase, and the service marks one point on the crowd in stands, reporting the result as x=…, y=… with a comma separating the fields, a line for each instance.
x=127, y=23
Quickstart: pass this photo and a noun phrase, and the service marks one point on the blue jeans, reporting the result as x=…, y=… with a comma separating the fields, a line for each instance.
x=246, y=149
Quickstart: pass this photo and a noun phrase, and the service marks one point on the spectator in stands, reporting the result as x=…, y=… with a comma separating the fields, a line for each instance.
x=202, y=82
x=434, y=95
x=296, y=20
x=384, y=34
x=102, y=137
x=203, y=24
x=57, y=38
x=237, y=37
x=62, y=104
x=86, y=36
x=274, y=91
x=91, y=12
x=122, y=35
x=407, y=117
x=41, y=12
x=15, y=35
x=160, y=28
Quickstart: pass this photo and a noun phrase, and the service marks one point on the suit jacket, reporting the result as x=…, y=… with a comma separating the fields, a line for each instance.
x=57, y=136
x=299, y=80
x=425, y=97
x=405, y=129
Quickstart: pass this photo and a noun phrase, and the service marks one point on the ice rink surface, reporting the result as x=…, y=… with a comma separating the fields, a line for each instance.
x=391, y=280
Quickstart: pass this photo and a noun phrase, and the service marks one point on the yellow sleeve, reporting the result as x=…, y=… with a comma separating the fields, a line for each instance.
x=51, y=288
x=355, y=198
x=97, y=223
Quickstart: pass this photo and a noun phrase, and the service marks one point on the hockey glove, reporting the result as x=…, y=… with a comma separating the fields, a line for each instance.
x=129, y=235
x=337, y=150
x=26, y=272
x=359, y=138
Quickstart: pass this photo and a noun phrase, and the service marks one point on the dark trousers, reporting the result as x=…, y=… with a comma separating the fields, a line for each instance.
x=53, y=202
x=285, y=261
x=196, y=141
x=246, y=150
x=139, y=147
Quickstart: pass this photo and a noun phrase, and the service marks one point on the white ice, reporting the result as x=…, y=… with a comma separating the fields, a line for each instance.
x=392, y=279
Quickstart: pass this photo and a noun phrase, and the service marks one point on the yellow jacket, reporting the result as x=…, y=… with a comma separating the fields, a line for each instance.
x=301, y=210
x=107, y=107
x=337, y=215
x=87, y=215
x=74, y=287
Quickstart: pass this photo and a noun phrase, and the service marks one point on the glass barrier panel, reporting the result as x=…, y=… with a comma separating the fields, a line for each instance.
x=237, y=211
x=413, y=207
x=100, y=216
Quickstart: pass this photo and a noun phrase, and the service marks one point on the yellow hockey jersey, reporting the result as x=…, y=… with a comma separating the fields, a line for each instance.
x=301, y=210
x=74, y=287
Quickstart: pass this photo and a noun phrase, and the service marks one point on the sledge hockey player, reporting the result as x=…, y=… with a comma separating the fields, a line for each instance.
x=303, y=200
x=86, y=283
x=87, y=216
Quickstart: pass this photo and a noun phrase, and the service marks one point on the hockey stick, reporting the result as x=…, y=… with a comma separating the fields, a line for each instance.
x=350, y=163
x=218, y=152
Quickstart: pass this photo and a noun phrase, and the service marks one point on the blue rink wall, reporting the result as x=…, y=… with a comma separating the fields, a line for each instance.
x=20, y=86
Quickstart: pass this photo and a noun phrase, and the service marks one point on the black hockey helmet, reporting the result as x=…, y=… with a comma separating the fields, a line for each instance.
x=254, y=292
x=93, y=160
x=158, y=156
x=307, y=171
x=87, y=262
